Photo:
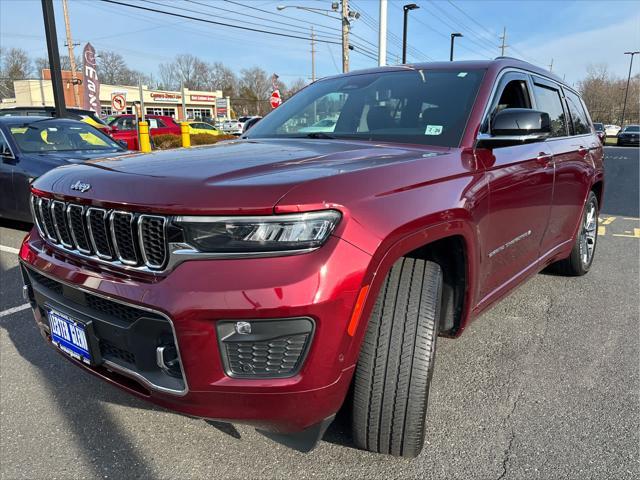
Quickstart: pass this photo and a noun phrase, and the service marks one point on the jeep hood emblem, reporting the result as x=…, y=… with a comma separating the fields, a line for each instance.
x=81, y=187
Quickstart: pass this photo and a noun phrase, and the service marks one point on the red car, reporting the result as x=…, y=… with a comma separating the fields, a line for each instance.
x=260, y=280
x=123, y=128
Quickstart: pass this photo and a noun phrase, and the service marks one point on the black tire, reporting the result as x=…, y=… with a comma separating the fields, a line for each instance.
x=575, y=264
x=392, y=378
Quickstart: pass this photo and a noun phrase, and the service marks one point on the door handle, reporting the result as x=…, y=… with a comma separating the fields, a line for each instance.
x=582, y=151
x=544, y=158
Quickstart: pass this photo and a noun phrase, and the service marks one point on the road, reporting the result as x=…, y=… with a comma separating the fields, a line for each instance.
x=545, y=385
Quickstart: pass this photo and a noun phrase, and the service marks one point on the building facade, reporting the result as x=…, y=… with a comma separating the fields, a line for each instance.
x=198, y=104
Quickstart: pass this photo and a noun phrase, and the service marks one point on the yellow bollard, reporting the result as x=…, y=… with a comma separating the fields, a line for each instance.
x=186, y=137
x=145, y=141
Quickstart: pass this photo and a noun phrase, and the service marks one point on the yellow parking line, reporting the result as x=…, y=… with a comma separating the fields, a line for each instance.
x=635, y=234
x=608, y=220
x=601, y=230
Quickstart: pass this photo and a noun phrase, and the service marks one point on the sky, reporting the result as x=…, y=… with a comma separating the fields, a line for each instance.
x=572, y=34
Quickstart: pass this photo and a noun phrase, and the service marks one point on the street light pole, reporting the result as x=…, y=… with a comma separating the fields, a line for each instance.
x=54, y=57
x=453, y=37
x=405, y=9
x=626, y=93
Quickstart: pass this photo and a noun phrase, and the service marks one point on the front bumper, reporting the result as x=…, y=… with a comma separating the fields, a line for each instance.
x=193, y=299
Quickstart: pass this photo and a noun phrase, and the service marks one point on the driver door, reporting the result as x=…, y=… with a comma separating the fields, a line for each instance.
x=520, y=179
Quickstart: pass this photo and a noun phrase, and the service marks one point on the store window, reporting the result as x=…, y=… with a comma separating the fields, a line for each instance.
x=168, y=112
x=198, y=113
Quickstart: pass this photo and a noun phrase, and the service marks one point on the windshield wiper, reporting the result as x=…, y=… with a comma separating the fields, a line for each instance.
x=319, y=135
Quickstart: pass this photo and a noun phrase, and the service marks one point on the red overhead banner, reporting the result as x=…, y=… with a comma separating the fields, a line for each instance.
x=91, y=99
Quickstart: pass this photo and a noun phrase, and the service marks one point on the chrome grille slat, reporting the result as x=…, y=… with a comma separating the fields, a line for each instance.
x=75, y=217
x=123, y=239
x=44, y=205
x=60, y=223
x=97, y=225
x=152, y=235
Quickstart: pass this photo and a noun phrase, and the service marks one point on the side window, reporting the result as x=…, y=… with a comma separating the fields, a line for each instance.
x=578, y=117
x=514, y=94
x=548, y=100
x=4, y=146
x=153, y=123
x=159, y=123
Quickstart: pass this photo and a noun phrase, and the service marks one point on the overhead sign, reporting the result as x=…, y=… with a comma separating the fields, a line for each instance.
x=165, y=97
x=91, y=100
x=203, y=98
x=119, y=101
x=275, y=99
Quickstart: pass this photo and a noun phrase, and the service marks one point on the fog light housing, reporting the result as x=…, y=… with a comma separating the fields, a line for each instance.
x=264, y=348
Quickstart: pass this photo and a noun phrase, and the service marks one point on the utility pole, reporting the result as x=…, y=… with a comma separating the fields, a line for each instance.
x=345, y=36
x=382, y=34
x=551, y=66
x=72, y=58
x=184, y=102
x=313, y=55
x=624, y=107
x=504, y=39
x=54, y=57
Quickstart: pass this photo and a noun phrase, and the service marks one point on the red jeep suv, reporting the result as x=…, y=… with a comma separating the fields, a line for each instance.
x=260, y=280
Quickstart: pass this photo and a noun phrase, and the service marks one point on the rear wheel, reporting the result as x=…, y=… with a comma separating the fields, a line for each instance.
x=393, y=375
x=581, y=258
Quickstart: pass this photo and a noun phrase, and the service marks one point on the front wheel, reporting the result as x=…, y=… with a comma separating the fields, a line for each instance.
x=581, y=258
x=393, y=375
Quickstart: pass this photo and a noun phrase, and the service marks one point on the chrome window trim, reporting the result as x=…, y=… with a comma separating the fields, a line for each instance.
x=92, y=240
x=55, y=222
x=113, y=235
x=141, y=243
x=558, y=85
x=71, y=229
x=115, y=366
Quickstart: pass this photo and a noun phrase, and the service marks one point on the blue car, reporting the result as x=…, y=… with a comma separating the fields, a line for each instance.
x=31, y=146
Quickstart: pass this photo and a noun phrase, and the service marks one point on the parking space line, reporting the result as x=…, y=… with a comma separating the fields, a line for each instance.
x=9, y=249
x=12, y=310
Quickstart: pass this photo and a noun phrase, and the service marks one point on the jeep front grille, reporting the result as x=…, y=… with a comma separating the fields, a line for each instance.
x=115, y=236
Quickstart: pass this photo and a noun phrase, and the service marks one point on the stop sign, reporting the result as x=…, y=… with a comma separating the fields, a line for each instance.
x=275, y=99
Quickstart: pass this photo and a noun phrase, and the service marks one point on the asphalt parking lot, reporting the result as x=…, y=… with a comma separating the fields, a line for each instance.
x=546, y=385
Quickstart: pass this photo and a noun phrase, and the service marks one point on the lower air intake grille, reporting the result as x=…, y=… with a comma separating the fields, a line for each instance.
x=270, y=349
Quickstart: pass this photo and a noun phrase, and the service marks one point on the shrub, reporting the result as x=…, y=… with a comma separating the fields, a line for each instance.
x=164, y=142
x=206, y=139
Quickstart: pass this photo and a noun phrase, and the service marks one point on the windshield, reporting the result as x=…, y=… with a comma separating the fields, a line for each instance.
x=409, y=106
x=632, y=128
x=55, y=136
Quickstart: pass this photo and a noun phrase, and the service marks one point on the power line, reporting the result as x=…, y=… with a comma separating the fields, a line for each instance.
x=213, y=22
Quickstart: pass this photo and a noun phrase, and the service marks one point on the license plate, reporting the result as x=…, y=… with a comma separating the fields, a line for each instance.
x=69, y=335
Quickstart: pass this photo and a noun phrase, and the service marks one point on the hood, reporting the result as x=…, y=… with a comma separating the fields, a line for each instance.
x=243, y=176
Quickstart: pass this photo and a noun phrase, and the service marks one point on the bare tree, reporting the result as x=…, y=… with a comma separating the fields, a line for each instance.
x=222, y=78
x=255, y=90
x=604, y=95
x=15, y=64
x=293, y=88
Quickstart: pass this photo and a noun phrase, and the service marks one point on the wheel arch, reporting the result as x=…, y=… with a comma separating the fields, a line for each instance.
x=452, y=245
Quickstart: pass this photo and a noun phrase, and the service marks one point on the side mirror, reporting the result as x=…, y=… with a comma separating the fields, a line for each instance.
x=515, y=126
x=114, y=128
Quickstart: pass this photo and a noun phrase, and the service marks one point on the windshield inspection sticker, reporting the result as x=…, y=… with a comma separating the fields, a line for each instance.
x=433, y=130
x=462, y=74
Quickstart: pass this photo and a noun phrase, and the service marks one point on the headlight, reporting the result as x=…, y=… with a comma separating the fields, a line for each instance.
x=258, y=234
